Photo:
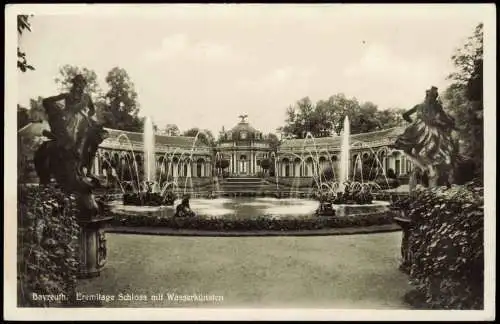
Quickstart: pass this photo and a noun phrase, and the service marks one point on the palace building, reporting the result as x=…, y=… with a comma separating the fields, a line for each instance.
x=297, y=157
x=177, y=156
x=243, y=146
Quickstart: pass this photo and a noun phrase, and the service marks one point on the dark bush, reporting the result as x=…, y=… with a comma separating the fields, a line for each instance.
x=446, y=244
x=265, y=164
x=47, y=246
x=149, y=199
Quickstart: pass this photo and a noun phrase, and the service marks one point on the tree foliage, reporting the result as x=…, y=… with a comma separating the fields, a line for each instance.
x=204, y=135
x=68, y=72
x=120, y=108
x=23, y=117
x=23, y=24
x=274, y=141
x=464, y=97
x=326, y=117
x=37, y=112
x=171, y=130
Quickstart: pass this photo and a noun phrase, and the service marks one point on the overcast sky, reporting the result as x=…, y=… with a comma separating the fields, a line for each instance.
x=205, y=65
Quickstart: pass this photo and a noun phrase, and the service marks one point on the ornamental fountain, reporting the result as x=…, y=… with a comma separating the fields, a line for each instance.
x=341, y=197
x=149, y=193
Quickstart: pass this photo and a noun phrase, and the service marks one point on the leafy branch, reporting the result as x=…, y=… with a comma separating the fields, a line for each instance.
x=23, y=24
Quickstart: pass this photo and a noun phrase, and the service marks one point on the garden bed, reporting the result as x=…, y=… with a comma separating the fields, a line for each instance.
x=260, y=223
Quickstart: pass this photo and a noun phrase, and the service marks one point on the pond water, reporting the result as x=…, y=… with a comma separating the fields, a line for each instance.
x=247, y=208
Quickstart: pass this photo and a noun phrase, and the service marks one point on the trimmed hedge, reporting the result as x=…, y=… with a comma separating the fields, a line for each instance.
x=47, y=246
x=256, y=224
x=446, y=247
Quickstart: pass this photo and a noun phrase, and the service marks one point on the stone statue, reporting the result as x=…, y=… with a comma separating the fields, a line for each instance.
x=243, y=118
x=74, y=139
x=184, y=209
x=428, y=141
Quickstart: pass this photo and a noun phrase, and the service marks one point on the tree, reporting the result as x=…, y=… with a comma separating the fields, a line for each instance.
x=68, y=72
x=327, y=117
x=274, y=141
x=464, y=97
x=389, y=118
x=23, y=117
x=222, y=135
x=468, y=58
x=37, y=112
x=120, y=108
x=171, y=130
x=204, y=135
x=23, y=24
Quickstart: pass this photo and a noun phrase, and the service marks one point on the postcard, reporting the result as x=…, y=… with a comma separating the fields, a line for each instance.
x=250, y=162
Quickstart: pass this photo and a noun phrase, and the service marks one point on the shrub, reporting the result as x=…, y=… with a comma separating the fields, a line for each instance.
x=47, y=245
x=446, y=244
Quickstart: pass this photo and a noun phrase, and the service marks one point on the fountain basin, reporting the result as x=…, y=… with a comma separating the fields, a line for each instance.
x=347, y=209
x=227, y=208
x=249, y=215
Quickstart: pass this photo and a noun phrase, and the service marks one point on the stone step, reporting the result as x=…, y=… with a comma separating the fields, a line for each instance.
x=243, y=179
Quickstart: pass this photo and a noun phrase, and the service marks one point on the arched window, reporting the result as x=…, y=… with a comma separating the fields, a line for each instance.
x=116, y=160
x=199, y=167
x=296, y=168
x=243, y=164
x=308, y=167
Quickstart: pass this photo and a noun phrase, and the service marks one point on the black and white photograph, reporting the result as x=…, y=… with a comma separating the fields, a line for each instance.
x=250, y=162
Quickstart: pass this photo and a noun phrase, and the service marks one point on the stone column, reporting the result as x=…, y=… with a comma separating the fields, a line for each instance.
x=250, y=171
x=233, y=158
x=255, y=162
x=250, y=163
x=233, y=166
x=237, y=160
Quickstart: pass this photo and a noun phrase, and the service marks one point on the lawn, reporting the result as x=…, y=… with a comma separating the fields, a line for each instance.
x=353, y=271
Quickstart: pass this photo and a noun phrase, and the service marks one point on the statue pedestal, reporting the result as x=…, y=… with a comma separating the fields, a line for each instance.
x=92, y=247
x=341, y=211
x=406, y=226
